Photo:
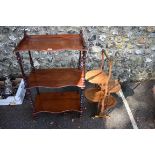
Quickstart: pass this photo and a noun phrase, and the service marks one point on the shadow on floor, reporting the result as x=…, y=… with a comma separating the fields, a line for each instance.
x=20, y=117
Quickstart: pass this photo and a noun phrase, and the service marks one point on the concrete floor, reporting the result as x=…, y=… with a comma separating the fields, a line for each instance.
x=139, y=98
x=142, y=105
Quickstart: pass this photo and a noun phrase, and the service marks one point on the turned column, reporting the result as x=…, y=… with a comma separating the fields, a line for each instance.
x=31, y=61
x=32, y=68
x=82, y=60
x=20, y=62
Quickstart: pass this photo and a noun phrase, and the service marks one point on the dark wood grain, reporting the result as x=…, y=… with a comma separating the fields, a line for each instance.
x=57, y=102
x=55, y=78
x=51, y=42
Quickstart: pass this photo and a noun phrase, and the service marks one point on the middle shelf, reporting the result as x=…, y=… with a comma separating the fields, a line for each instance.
x=55, y=78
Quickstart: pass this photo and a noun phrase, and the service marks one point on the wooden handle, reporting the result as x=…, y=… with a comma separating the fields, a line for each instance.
x=102, y=61
x=104, y=53
x=110, y=69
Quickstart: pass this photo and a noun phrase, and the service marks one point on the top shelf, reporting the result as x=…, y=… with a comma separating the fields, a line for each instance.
x=51, y=43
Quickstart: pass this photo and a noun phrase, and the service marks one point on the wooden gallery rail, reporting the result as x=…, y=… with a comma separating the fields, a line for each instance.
x=54, y=102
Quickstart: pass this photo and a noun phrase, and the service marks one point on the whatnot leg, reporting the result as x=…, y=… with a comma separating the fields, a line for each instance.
x=81, y=101
x=79, y=63
x=33, y=68
x=20, y=61
x=31, y=61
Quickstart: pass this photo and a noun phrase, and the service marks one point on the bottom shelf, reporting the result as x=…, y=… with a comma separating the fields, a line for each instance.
x=57, y=102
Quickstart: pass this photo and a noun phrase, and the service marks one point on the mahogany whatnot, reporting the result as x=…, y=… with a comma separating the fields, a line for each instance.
x=55, y=77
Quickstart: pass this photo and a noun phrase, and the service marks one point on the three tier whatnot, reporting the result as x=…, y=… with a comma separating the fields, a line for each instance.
x=54, y=102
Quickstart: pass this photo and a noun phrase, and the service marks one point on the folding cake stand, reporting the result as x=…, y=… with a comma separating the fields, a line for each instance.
x=105, y=86
x=54, y=102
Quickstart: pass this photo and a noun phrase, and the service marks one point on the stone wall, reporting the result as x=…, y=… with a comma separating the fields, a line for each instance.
x=132, y=49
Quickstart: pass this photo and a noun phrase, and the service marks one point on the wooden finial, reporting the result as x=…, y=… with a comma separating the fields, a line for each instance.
x=81, y=31
x=25, y=33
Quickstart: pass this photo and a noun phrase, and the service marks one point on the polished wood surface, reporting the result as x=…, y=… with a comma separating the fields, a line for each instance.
x=94, y=94
x=56, y=42
x=114, y=86
x=96, y=76
x=110, y=102
x=57, y=102
x=55, y=78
